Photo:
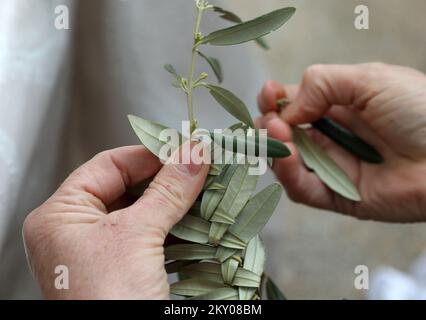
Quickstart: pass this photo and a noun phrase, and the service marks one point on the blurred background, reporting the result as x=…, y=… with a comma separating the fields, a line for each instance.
x=65, y=94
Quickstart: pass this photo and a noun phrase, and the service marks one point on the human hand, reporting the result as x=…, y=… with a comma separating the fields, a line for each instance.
x=111, y=251
x=383, y=104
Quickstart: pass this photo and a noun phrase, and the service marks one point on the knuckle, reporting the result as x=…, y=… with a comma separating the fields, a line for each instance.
x=166, y=194
x=313, y=73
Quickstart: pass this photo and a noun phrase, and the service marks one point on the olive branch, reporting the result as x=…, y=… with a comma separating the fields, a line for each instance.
x=223, y=255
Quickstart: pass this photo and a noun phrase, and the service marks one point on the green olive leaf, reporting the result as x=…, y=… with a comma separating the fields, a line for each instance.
x=215, y=65
x=216, y=186
x=274, y=148
x=327, y=170
x=227, y=15
x=246, y=278
x=272, y=291
x=212, y=198
x=192, y=229
x=175, y=266
x=232, y=242
x=189, y=252
x=218, y=294
x=250, y=30
x=206, y=270
x=150, y=134
x=231, y=103
x=347, y=140
x=232, y=17
x=195, y=287
x=223, y=253
x=229, y=269
x=237, y=194
x=256, y=213
x=254, y=261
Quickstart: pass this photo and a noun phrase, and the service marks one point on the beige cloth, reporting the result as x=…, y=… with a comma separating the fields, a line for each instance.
x=65, y=94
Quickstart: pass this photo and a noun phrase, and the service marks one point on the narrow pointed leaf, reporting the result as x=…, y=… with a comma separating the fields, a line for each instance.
x=216, y=232
x=327, y=170
x=229, y=269
x=254, y=260
x=212, y=198
x=219, y=294
x=227, y=15
x=256, y=213
x=176, y=266
x=223, y=253
x=194, y=287
x=232, y=17
x=192, y=229
x=149, y=134
x=216, y=186
x=205, y=270
x=215, y=65
x=232, y=242
x=274, y=148
x=349, y=141
x=231, y=103
x=189, y=252
x=238, y=192
x=246, y=278
x=262, y=43
x=170, y=69
x=250, y=30
x=273, y=292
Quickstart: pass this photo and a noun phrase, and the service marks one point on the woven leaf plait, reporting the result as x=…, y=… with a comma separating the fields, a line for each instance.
x=225, y=257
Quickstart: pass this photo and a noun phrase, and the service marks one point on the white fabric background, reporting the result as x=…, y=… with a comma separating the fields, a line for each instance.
x=65, y=94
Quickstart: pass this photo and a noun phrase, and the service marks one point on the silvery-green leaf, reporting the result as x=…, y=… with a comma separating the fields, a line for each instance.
x=256, y=213
x=223, y=253
x=229, y=269
x=231, y=103
x=273, y=292
x=262, y=43
x=348, y=140
x=212, y=198
x=246, y=278
x=215, y=170
x=195, y=287
x=274, y=148
x=195, y=210
x=189, y=252
x=227, y=15
x=237, y=194
x=250, y=30
x=215, y=65
x=149, y=134
x=175, y=266
x=192, y=229
x=219, y=294
x=216, y=186
x=232, y=17
x=254, y=260
x=232, y=242
x=206, y=270
x=326, y=169
x=170, y=69
x=216, y=232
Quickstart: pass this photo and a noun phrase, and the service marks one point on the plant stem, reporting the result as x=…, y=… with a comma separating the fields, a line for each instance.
x=192, y=68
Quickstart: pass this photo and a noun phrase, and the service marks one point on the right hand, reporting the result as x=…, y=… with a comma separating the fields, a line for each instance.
x=383, y=104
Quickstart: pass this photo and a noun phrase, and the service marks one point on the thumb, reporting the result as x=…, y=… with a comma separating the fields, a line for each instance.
x=322, y=87
x=173, y=191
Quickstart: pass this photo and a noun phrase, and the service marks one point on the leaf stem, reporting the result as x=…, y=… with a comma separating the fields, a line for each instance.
x=192, y=121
